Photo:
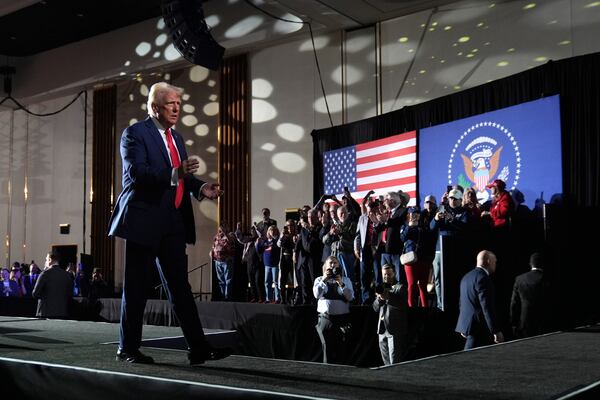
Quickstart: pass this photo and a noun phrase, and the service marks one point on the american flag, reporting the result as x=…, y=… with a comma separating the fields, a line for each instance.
x=384, y=165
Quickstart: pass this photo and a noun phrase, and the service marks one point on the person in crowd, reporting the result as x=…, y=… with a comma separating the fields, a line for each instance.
x=286, y=265
x=390, y=303
x=222, y=253
x=450, y=220
x=477, y=321
x=5, y=279
x=333, y=207
x=326, y=224
x=156, y=220
x=502, y=206
x=365, y=247
x=308, y=252
x=251, y=258
x=429, y=209
x=444, y=199
x=98, y=288
x=334, y=293
x=30, y=279
x=17, y=281
x=10, y=288
x=82, y=282
x=271, y=255
x=353, y=209
x=72, y=270
x=266, y=222
x=389, y=222
x=53, y=289
x=418, y=238
x=341, y=239
x=530, y=303
x=471, y=203
x=427, y=214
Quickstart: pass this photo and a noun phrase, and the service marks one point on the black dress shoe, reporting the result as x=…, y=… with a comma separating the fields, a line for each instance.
x=210, y=354
x=134, y=357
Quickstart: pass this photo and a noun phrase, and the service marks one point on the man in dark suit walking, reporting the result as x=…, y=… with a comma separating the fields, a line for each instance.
x=54, y=289
x=529, y=308
x=477, y=320
x=154, y=215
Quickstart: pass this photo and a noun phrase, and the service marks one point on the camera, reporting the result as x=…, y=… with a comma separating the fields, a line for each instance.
x=336, y=271
x=379, y=289
x=333, y=272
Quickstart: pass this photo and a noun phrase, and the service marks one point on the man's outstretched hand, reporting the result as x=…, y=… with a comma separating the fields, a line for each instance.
x=211, y=191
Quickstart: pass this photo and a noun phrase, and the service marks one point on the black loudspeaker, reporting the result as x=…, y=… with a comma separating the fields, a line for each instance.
x=190, y=34
x=65, y=229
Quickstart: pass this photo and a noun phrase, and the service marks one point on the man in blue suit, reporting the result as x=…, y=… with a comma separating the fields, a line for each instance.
x=477, y=320
x=154, y=215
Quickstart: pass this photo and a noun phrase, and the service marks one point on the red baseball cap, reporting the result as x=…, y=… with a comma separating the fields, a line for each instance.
x=498, y=183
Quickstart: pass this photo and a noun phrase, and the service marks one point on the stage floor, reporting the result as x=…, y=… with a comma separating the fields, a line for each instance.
x=62, y=359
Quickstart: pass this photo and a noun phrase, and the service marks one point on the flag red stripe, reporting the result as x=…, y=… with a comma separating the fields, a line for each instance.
x=385, y=170
x=383, y=184
x=386, y=155
x=387, y=140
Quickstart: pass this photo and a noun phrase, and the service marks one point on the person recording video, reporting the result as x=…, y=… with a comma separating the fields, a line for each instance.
x=334, y=293
x=391, y=304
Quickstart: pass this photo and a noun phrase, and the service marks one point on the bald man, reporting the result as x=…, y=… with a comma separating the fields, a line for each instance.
x=477, y=320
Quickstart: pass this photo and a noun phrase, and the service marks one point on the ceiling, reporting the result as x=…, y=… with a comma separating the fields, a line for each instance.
x=29, y=27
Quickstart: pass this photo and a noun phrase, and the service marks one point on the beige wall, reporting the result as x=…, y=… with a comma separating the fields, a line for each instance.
x=47, y=155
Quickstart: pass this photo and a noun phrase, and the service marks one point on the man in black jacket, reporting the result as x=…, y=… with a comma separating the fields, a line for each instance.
x=54, y=289
x=529, y=303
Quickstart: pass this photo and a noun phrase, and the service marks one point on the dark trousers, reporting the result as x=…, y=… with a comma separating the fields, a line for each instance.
x=255, y=279
x=334, y=332
x=172, y=268
x=479, y=337
x=286, y=278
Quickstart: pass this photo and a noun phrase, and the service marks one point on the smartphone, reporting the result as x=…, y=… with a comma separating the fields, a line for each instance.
x=448, y=188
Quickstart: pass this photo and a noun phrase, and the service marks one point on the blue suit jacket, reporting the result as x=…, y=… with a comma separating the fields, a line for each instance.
x=144, y=209
x=477, y=309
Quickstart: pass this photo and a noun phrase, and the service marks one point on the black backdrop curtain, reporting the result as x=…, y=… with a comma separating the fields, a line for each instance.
x=576, y=80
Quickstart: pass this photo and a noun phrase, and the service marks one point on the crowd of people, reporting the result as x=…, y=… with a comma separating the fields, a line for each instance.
x=388, y=255
x=54, y=285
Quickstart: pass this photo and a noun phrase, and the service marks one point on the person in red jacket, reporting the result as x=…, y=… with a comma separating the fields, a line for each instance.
x=502, y=205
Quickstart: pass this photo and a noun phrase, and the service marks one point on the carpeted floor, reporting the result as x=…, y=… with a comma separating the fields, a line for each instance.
x=538, y=368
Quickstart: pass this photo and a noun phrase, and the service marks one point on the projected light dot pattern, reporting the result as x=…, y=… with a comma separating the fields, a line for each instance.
x=268, y=147
x=201, y=130
x=274, y=184
x=143, y=48
x=289, y=162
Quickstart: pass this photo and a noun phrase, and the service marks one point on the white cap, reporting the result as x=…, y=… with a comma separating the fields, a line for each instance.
x=430, y=198
x=457, y=194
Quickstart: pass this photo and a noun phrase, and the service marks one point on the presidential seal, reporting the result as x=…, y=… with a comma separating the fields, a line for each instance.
x=484, y=152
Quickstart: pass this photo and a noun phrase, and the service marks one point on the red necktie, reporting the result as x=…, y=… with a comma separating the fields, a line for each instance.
x=176, y=163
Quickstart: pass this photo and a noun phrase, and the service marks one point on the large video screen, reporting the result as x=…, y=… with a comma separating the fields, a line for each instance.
x=520, y=145
x=382, y=165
